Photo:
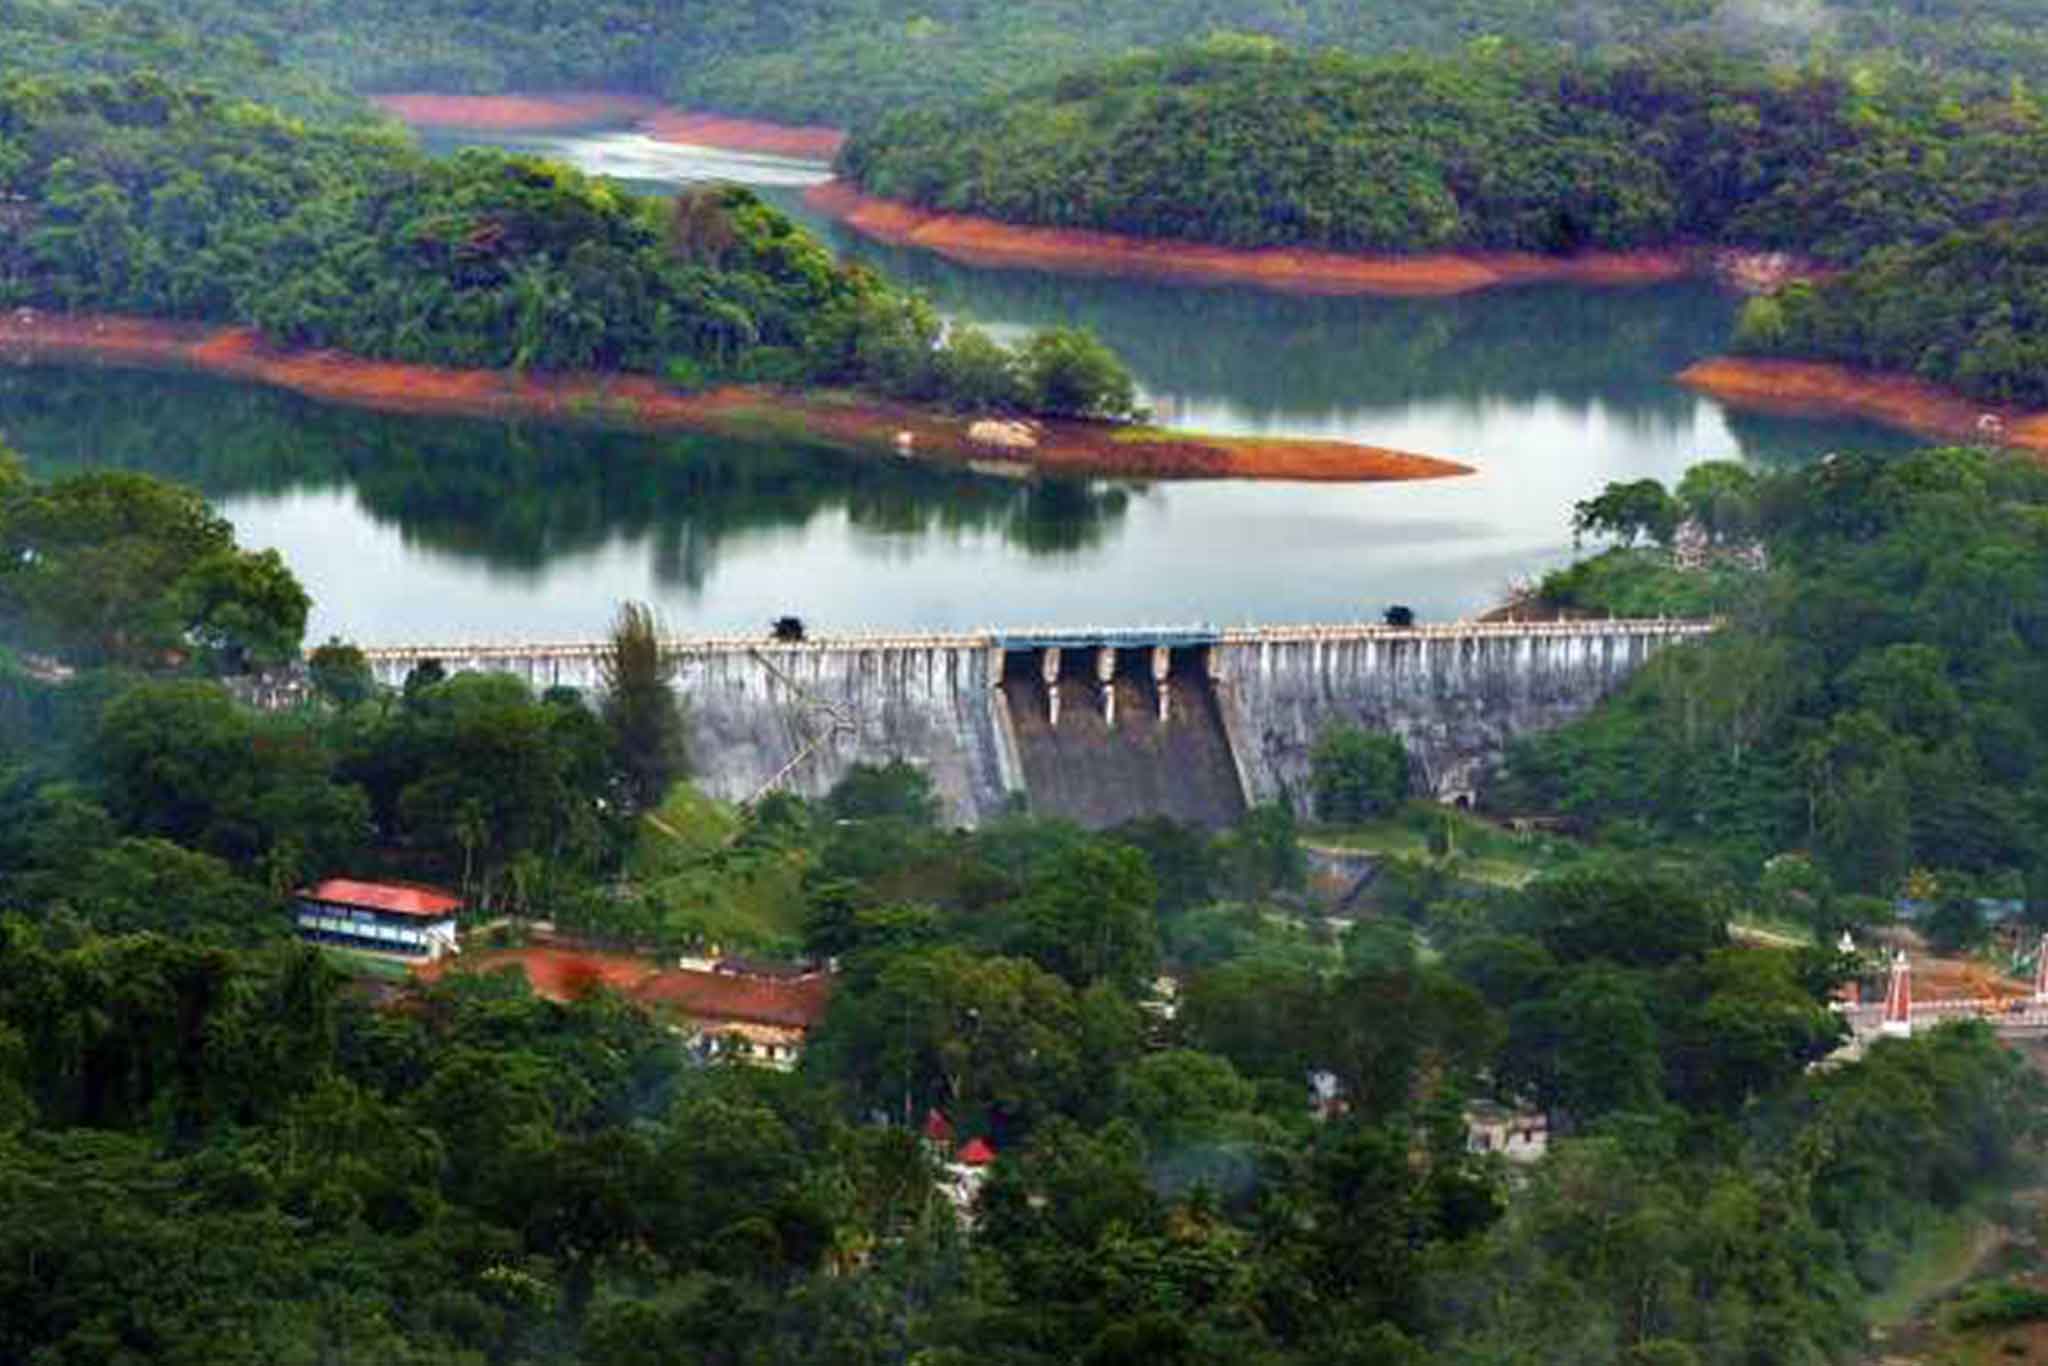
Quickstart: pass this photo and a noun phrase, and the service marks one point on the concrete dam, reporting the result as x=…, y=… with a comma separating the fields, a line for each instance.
x=1106, y=725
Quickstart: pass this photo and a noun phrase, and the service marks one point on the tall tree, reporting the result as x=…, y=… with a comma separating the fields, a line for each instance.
x=649, y=748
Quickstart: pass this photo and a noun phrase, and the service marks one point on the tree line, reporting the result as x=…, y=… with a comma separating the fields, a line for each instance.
x=1969, y=311
x=848, y=62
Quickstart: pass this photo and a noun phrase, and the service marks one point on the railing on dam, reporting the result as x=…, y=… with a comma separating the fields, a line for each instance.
x=479, y=654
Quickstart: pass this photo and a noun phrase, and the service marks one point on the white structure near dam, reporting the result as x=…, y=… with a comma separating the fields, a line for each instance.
x=1106, y=724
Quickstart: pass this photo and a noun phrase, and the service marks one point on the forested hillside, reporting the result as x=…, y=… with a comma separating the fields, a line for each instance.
x=137, y=196
x=77, y=38
x=847, y=62
x=1877, y=700
x=1248, y=145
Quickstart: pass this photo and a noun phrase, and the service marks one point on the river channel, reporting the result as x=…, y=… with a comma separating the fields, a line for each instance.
x=409, y=529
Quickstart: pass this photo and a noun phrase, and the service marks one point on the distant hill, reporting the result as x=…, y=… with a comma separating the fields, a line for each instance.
x=845, y=61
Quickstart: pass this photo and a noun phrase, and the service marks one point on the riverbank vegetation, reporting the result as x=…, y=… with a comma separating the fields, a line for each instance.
x=121, y=201
x=1965, y=312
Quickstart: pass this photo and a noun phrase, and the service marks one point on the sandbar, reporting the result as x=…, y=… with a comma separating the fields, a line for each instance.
x=803, y=141
x=1800, y=388
x=636, y=402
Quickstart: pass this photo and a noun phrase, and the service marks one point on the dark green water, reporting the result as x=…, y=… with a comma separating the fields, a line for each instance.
x=418, y=529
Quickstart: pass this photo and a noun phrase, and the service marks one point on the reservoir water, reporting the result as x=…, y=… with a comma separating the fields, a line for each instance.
x=408, y=529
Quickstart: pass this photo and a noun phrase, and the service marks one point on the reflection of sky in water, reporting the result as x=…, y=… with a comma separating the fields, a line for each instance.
x=656, y=165
x=1490, y=385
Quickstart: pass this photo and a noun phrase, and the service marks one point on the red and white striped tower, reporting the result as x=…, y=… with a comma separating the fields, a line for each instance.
x=1898, y=1000
x=2041, y=971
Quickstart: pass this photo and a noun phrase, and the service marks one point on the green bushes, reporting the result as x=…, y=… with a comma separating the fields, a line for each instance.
x=1999, y=1305
x=1356, y=776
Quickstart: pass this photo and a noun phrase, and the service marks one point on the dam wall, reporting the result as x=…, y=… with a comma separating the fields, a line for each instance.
x=1105, y=725
x=1457, y=695
x=797, y=715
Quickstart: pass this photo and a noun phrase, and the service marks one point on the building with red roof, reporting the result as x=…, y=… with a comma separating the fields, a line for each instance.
x=762, y=1018
x=720, y=1007
x=399, y=919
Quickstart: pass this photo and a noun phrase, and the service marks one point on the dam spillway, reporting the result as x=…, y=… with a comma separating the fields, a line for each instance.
x=1102, y=725
x=1148, y=740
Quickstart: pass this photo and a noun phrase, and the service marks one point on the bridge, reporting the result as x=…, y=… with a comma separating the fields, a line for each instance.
x=1104, y=723
x=2015, y=1016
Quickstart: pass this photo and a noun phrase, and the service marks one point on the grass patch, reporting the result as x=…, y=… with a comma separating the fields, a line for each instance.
x=762, y=422
x=687, y=829
x=705, y=890
x=1941, y=1257
x=1135, y=434
x=1479, y=851
x=365, y=966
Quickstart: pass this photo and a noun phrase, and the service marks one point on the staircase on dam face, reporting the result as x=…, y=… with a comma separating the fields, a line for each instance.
x=1099, y=773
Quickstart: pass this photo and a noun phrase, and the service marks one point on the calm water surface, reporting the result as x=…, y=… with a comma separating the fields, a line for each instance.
x=410, y=529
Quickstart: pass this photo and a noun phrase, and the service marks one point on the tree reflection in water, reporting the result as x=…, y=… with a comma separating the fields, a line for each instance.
x=518, y=496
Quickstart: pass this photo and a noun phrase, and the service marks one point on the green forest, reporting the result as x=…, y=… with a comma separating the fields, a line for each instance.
x=1875, y=702
x=136, y=196
x=215, y=1148
x=1251, y=145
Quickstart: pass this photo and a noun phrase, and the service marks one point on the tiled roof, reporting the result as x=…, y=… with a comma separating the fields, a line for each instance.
x=714, y=996
x=393, y=898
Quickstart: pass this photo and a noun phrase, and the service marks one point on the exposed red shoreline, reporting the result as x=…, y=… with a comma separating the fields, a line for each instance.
x=640, y=403
x=568, y=113
x=516, y=113
x=806, y=141
x=988, y=242
x=1821, y=389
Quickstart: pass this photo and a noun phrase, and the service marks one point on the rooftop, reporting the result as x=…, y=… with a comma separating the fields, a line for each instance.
x=797, y=1004
x=562, y=974
x=393, y=898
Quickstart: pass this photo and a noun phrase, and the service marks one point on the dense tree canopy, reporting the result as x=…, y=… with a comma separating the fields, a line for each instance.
x=211, y=1148
x=1875, y=700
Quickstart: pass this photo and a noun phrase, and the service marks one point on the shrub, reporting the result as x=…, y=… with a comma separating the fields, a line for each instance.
x=1356, y=776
